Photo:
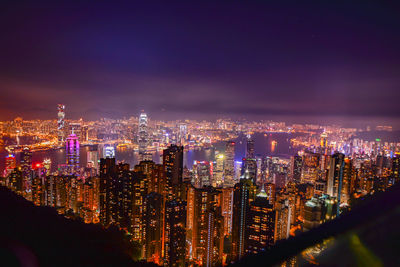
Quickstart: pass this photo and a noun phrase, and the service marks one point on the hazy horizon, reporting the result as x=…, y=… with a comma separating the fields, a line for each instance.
x=252, y=59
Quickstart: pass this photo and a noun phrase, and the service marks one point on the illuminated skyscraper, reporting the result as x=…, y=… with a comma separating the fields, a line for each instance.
x=218, y=171
x=229, y=164
x=202, y=171
x=155, y=175
x=90, y=200
x=123, y=192
x=282, y=220
x=250, y=147
x=208, y=224
x=324, y=140
x=244, y=193
x=10, y=164
x=296, y=165
x=93, y=159
x=76, y=128
x=72, y=151
x=340, y=176
x=14, y=181
x=335, y=181
x=187, y=175
x=108, y=176
x=139, y=193
x=143, y=135
x=84, y=133
x=182, y=133
x=249, y=170
x=26, y=162
x=108, y=151
x=227, y=209
x=175, y=233
x=260, y=178
x=51, y=191
x=349, y=178
x=313, y=214
x=26, y=168
x=173, y=167
x=260, y=225
x=319, y=210
x=270, y=190
x=62, y=184
x=396, y=169
x=237, y=170
x=310, y=168
x=38, y=187
x=61, y=123
x=153, y=227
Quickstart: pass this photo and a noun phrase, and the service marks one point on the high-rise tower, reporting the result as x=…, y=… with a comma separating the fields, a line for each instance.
x=153, y=227
x=229, y=164
x=282, y=220
x=173, y=167
x=324, y=140
x=396, y=169
x=72, y=150
x=309, y=171
x=260, y=225
x=250, y=147
x=182, y=134
x=296, y=165
x=243, y=195
x=108, y=176
x=61, y=123
x=335, y=177
x=218, y=171
x=208, y=226
x=175, y=233
x=26, y=167
x=10, y=164
x=249, y=170
x=108, y=151
x=143, y=135
x=202, y=171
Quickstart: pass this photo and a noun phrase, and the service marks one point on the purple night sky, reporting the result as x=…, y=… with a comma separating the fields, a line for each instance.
x=197, y=59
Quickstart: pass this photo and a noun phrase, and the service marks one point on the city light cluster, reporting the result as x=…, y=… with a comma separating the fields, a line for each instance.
x=207, y=213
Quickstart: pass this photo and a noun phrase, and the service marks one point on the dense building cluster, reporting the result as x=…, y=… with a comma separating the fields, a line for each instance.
x=217, y=211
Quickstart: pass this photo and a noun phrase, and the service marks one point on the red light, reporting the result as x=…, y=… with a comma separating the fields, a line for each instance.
x=38, y=165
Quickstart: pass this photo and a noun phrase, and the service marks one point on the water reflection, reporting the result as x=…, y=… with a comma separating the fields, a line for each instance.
x=265, y=144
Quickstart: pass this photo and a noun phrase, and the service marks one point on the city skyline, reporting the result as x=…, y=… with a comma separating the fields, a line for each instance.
x=340, y=121
x=321, y=62
x=251, y=186
x=199, y=134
